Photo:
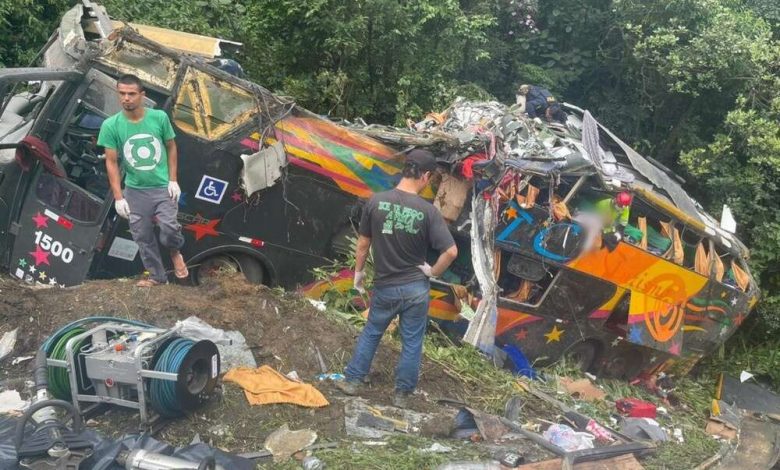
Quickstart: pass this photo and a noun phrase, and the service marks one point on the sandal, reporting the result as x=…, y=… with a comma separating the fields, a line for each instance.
x=180, y=267
x=147, y=283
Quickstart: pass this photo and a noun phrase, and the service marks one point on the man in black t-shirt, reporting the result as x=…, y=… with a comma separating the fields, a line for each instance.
x=400, y=226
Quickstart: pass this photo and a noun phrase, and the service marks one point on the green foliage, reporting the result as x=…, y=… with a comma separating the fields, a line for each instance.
x=24, y=27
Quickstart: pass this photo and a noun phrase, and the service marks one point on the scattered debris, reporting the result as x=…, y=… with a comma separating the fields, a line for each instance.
x=437, y=448
x=283, y=442
x=567, y=438
x=408, y=420
x=583, y=389
x=11, y=402
x=232, y=346
x=745, y=376
x=636, y=408
x=716, y=428
x=622, y=462
x=643, y=428
x=312, y=463
x=747, y=396
x=7, y=343
x=20, y=359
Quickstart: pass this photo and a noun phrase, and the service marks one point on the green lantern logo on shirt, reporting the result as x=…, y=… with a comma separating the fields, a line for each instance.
x=143, y=152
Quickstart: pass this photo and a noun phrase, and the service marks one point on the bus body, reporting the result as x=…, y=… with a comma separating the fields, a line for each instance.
x=275, y=191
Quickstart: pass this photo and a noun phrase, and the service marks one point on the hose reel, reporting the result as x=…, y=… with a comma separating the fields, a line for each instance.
x=156, y=371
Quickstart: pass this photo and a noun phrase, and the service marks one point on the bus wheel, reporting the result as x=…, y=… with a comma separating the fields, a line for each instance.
x=211, y=268
x=583, y=354
x=252, y=269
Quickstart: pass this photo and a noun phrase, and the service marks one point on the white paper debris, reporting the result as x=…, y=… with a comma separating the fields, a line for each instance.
x=7, y=343
x=20, y=359
x=745, y=375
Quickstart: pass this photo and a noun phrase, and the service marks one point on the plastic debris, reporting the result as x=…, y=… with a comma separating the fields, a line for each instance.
x=437, y=448
x=643, y=428
x=567, y=438
x=11, y=402
x=636, y=408
x=293, y=375
x=7, y=343
x=312, y=463
x=233, y=350
x=333, y=377
x=745, y=375
x=318, y=304
x=20, y=359
x=464, y=465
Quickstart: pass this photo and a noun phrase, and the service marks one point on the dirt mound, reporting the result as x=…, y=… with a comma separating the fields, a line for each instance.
x=281, y=328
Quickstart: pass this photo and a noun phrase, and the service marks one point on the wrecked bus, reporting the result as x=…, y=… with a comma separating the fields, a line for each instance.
x=273, y=191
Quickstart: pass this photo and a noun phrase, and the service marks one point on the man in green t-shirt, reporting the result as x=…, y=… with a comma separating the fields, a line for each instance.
x=142, y=139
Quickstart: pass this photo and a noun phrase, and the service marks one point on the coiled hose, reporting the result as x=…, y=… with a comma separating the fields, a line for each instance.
x=162, y=393
x=54, y=348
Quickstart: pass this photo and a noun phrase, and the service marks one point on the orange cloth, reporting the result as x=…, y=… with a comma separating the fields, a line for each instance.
x=264, y=385
x=742, y=278
x=702, y=260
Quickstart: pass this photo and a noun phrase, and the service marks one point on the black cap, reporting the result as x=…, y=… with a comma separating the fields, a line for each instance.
x=423, y=159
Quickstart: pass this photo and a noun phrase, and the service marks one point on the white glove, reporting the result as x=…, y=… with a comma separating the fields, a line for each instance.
x=426, y=269
x=122, y=208
x=618, y=236
x=174, y=191
x=360, y=277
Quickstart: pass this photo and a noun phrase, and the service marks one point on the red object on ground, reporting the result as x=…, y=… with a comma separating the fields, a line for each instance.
x=636, y=408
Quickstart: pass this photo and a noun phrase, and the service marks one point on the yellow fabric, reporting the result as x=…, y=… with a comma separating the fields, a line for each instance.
x=742, y=278
x=678, y=255
x=560, y=210
x=719, y=270
x=643, y=227
x=264, y=385
x=702, y=260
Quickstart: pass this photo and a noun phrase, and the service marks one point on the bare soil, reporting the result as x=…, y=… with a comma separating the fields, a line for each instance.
x=281, y=329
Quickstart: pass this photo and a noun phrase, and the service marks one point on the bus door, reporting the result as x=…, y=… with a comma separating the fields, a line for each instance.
x=24, y=93
x=61, y=220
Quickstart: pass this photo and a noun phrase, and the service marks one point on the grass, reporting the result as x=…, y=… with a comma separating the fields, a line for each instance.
x=402, y=452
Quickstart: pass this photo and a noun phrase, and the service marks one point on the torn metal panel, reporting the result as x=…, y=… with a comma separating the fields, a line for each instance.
x=188, y=43
x=262, y=169
x=482, y=330
x=149, y=65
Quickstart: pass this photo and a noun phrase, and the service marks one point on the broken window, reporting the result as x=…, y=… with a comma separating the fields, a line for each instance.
x=65, y=197
x=150, y=66
x=209, y=107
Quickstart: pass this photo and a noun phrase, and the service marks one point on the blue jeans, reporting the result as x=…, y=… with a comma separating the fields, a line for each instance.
x=410, y=302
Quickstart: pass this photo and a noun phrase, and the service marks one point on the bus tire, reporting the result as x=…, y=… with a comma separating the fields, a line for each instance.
x=252, y=268
x=207, y=269
x=583, y=354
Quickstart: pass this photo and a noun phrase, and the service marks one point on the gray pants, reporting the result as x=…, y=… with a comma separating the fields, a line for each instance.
x=146, y=205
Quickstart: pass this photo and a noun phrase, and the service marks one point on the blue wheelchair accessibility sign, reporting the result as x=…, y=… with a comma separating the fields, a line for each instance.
x=211, y=189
